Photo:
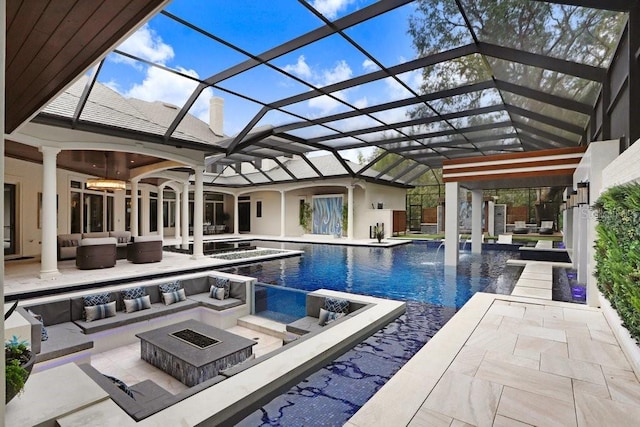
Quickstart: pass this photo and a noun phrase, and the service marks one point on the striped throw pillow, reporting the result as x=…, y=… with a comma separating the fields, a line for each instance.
x=137, y=304
x=101, y=311
x=173, y=297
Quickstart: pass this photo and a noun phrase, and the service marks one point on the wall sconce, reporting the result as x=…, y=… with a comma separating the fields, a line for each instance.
x=563, y=206
x=583, y=193
x=573, y=199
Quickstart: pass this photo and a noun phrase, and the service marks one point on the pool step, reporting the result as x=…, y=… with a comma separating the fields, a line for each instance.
x=266, y=326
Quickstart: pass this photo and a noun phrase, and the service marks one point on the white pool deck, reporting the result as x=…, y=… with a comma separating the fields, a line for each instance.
x=513, y=360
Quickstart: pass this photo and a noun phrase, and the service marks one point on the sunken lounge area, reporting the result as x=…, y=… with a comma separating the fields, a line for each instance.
x=188, y=335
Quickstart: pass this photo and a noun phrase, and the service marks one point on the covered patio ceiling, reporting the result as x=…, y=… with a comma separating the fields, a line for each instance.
x=488, y=87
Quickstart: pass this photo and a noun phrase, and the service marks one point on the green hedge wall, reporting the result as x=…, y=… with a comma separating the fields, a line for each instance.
x=617, y=252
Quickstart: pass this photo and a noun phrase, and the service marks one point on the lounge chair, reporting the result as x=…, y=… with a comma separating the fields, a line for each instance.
x=546, y=227
x=505, y=239
x=520, y=228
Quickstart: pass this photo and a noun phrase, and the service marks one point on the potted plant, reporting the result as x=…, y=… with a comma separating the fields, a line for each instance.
x=19, y=361
x=378, y=232
x=305, y=216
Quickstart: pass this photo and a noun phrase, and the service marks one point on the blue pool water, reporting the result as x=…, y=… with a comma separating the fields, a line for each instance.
x=413, y=271
x=330, y=396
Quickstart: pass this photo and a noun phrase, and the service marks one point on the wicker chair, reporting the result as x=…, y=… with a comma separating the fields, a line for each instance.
x=145, y=249
x=96, y=252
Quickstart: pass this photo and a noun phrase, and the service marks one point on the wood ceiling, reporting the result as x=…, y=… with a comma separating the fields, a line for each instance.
x=51, y=42
x=112, y=164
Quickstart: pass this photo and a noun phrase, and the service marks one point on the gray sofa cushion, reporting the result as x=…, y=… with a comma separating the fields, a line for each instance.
x=67, y=245
x=122, y=237
x=238, y=290
x=64, y=338
x=304, y=326
x=53, y=312
x=149, y=397
x=95, y=234
x=196, y=285
x=95, y=241
x=215, y=304
x=122, y=319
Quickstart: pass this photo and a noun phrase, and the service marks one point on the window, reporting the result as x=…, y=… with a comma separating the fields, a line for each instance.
x=259, y=209
x=90, y=211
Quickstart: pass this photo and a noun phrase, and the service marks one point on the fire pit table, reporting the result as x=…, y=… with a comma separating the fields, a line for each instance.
x=192, y=351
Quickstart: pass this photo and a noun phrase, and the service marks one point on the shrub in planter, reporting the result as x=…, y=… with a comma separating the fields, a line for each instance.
x=19, y=361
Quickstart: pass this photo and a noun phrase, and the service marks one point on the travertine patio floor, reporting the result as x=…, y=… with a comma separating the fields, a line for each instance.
x=509, y=360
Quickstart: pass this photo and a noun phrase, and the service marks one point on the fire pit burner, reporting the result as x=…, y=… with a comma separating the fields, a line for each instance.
x=194, y=338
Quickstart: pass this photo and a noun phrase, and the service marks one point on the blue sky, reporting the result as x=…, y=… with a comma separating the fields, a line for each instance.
x=256, y=26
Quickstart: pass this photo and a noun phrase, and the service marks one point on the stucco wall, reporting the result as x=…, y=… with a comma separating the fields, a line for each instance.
x=269, y=223
x=390, y=197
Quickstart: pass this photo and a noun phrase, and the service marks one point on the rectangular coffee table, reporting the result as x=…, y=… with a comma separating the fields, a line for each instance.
x=212, y=350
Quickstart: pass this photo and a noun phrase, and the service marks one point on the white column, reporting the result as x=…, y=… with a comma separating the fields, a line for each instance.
x=350, y=225
x=185, y=215
x=236, y=214
x=476, y=221
x=160, y=211
x=177, y=210
x=198, y=209
x=49, y=214
x=133, y=221
x=283, y=212
x=451, y=224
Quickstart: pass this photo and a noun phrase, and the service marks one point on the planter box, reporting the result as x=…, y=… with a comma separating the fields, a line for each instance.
x=626, y=341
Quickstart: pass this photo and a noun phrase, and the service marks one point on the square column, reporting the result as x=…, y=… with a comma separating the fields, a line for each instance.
x=198, y=213
x=476, y=221
x=350, y=225
x=451, y=224
x=185, y=215
x=283, y=211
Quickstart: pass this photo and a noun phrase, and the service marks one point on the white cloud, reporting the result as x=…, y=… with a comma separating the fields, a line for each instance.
x=324, y=103
x=113, y=85
x=171, y=88
x=369, y=66
x=146, y=44
x=330, y=8
x=300, y=68
x=320, y=78
x=339, y=73
x=361, y=103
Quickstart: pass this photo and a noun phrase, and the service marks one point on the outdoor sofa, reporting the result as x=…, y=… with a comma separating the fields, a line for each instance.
x=147, y=397
x=70, y=332
x=68, y=243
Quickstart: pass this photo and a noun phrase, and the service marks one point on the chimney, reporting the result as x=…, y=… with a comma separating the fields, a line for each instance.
x=216, y=115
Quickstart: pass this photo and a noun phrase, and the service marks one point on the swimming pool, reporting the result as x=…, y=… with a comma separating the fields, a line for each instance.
x=413, y=271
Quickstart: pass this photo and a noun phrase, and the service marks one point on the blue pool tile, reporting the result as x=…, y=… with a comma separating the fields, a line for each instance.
x=330, y=396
